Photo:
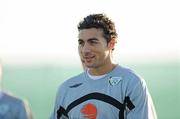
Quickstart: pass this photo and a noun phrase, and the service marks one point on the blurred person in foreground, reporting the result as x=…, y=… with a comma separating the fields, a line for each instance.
x=105, y=90
x=12, y=107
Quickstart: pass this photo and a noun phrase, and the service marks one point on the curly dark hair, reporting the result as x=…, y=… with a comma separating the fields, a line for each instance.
x=99, y=21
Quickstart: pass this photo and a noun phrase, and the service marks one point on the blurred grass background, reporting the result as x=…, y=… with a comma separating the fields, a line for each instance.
x=38, y=84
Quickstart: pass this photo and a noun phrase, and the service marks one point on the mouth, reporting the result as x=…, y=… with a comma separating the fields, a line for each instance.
x=88, y=59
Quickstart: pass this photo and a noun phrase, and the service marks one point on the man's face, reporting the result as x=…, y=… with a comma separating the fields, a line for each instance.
x=93, y=48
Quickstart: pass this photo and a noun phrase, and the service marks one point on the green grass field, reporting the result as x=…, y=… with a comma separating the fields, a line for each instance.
x=38, y=84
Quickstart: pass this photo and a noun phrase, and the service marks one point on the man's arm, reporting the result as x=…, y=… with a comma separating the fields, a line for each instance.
x=58, y=102
x=140, y=97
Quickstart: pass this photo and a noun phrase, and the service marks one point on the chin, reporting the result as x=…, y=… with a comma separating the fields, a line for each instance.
x=90, y=66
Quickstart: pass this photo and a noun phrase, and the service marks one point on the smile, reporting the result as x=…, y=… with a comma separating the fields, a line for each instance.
x=88, y=59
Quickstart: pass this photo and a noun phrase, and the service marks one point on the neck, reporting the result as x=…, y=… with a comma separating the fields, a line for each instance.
x=102, y=69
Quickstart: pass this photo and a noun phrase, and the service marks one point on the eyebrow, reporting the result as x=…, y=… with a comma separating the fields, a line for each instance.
x=80, y=40
x=90, y=39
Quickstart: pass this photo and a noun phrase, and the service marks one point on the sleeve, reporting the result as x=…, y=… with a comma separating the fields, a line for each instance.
x=54, y=115
x=25, y=111
x=58, y=103
x=140, y=97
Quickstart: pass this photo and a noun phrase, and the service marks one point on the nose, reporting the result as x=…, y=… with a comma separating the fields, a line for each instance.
x=86, y=48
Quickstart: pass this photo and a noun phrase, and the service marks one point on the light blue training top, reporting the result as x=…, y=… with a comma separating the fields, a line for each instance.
x=81, y=97
x=12, y=107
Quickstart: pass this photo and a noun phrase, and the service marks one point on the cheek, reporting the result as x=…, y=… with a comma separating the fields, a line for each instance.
x=99, y=56
x=80, y=53
x=79, y=50
x=103, y=54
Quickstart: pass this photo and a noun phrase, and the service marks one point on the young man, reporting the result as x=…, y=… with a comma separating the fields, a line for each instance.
x=12, y=107
x=105, y=90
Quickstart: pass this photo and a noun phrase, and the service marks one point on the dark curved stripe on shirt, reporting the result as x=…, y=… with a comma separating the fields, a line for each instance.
x=97, y=96
x=61, y=111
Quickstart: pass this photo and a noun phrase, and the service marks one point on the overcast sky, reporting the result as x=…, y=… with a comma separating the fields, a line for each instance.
x=45, y=30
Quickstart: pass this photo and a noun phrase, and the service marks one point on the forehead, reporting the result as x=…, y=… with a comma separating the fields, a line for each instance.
x=90, y=33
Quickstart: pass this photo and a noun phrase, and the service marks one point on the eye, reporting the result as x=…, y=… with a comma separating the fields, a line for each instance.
x=93, y=42
x=80, y=42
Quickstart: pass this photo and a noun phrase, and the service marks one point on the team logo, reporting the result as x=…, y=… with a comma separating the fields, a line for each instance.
x=89, y=111
x=115, y=80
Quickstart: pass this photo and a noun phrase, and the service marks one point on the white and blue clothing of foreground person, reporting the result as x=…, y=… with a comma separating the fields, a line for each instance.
x=12, y=107
x=105, y=90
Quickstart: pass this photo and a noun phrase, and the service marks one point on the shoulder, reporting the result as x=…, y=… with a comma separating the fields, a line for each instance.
x=129, y=75
x=12, y=99
x=65, y=87
x=130, y=79
x=133, y=83
x=71, y=81
x=10, y=96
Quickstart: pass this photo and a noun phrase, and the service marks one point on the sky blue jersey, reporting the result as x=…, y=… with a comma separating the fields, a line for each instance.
x=12, y=107
x=121, y=94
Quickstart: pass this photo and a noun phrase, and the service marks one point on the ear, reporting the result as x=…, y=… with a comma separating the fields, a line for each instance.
x=112, y=43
